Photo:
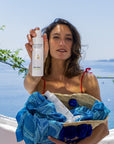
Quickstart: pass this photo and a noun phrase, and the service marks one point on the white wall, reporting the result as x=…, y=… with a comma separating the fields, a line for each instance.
x=8, y=127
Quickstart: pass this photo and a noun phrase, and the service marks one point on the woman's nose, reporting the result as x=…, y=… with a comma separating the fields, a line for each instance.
x=62, y=42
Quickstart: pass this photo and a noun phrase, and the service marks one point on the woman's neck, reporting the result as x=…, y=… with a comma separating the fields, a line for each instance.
x=57, y=70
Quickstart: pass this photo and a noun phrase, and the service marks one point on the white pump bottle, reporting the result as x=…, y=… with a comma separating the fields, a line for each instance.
x=60, y=107
x=37, y=55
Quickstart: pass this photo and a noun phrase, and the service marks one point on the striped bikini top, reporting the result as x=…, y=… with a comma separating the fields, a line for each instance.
x=86, y=70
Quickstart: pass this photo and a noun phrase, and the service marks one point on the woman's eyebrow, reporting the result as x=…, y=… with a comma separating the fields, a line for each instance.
x=60, y=34
x=69, y=35
x=56, y=34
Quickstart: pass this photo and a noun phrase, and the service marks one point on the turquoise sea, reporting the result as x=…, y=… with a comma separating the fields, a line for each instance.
x=13, y=95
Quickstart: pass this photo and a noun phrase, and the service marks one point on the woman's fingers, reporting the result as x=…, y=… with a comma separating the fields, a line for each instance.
x=32, y=32
x=30, y=43
x=29, y=50
x=55, y=140
x=29, y=39
x=31, y=35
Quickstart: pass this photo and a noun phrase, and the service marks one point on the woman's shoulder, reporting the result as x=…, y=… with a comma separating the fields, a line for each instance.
x=89, y=76
x=89, y=80
x=91, y=85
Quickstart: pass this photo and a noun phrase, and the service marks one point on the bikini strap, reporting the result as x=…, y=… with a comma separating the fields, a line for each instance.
x=44, y=86
x=86, y=70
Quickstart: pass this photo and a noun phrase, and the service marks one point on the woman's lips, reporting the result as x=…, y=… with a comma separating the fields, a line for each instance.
x=61, y=50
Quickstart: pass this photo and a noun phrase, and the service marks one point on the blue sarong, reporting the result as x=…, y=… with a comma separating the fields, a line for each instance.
x=39, y=119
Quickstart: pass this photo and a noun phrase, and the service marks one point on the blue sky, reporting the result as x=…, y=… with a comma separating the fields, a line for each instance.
x=94, y=20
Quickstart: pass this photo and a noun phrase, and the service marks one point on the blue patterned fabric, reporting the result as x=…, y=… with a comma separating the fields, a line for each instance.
x=98, y=112
x=39, y=119
x=69, y=133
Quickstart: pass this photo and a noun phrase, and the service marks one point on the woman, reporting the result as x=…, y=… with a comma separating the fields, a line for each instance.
x=62, y=73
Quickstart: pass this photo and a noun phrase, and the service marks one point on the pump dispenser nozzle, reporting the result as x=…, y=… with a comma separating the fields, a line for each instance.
x=38, y=36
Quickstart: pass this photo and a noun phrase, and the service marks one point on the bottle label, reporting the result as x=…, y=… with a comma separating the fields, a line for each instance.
x=37, y=60
x=37, y=46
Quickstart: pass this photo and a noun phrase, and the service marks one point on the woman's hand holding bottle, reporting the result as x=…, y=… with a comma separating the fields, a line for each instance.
x=29, y=45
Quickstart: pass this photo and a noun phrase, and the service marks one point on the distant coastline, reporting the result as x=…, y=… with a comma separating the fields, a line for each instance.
x=105, y=60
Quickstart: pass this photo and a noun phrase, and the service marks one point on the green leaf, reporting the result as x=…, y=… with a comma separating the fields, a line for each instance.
x=11, y=58
x=2, y=27
x=17, y=51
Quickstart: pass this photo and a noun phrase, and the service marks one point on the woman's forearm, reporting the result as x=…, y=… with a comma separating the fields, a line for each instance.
x=31, y=82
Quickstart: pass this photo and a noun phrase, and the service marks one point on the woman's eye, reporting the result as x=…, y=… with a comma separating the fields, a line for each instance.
x=55, y=37
x=69, y=39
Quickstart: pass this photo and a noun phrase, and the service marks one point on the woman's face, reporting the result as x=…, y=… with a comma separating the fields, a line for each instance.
x=60, y=42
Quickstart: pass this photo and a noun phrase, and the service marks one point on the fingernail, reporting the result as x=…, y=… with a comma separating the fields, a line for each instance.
x=34, y=34
x=45, y=36
x=30, y=43
x=49, y=137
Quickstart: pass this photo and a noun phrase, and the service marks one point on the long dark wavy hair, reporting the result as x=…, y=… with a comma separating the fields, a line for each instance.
x=71, y=65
